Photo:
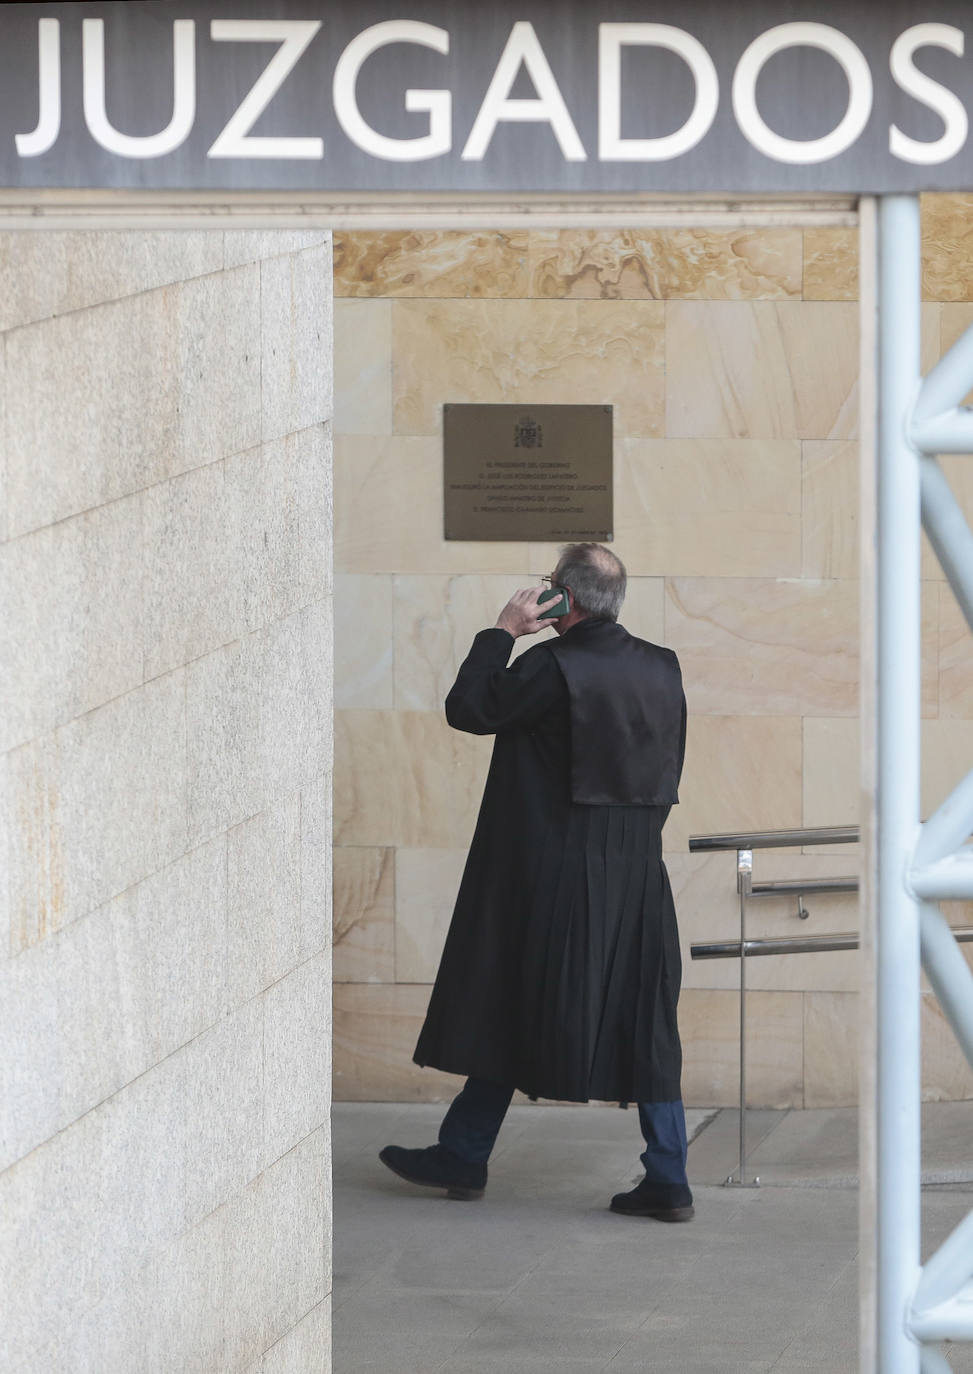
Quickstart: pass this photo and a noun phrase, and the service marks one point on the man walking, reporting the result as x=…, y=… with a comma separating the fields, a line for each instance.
x=561, y=970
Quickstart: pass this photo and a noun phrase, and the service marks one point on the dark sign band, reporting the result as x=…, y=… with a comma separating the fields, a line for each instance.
x=541, y=97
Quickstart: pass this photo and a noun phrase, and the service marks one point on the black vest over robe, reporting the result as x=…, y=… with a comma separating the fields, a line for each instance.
x=627, y=716
x=561, y=970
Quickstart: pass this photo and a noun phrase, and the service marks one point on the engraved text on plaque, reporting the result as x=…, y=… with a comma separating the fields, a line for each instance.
x=527, y=472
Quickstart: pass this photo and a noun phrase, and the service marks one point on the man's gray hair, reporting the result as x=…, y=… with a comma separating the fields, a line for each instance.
x=596, y=577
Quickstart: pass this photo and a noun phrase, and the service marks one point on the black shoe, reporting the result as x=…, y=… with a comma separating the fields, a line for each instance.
x=655, y=1200
x=436, y=1167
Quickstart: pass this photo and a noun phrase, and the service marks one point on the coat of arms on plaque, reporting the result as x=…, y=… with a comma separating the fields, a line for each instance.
x=528, y=433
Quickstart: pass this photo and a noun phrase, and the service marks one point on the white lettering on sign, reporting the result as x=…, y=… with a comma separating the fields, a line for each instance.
x=293, y=35
x=928, y=92
x=855, y=67
x=611, y=39
x=437, y=104
x=48, y=92
x=522, y=53
x=524, y=50
x=183, y=93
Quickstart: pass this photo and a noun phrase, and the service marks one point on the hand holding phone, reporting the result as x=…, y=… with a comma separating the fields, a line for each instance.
x=527, y=611
x=560, y=607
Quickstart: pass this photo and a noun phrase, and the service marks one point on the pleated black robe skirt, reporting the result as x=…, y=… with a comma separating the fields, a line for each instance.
x=561, y=970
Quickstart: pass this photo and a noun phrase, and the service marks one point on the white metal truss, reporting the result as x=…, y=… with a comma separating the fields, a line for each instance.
x=914, y=866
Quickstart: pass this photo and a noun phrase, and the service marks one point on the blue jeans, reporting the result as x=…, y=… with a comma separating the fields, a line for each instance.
x=471, y=1125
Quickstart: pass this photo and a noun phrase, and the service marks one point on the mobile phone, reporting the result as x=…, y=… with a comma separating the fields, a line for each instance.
x=561, y=607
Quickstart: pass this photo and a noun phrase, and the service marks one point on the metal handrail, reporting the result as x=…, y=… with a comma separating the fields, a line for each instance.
x=811, y=944
x=745, y=842
x=775, y=839
x=782, y=886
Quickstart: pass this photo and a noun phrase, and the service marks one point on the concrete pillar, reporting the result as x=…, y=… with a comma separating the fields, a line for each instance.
x=165, y=709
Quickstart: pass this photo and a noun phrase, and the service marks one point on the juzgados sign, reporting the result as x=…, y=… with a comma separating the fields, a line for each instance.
x=543, y=96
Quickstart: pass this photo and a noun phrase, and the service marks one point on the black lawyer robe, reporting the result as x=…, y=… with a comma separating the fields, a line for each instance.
x=561, y=969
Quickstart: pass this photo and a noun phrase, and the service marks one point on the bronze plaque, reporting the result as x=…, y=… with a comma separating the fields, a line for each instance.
x=527, y=472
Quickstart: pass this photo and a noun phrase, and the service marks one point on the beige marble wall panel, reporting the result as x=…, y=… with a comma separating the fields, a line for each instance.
x=375, y=1034
x=57, y=273
x=765, y=647
x=831, y=766
x=363, y=367
x=258, y=715
x=304, y=1347
x=829, y=526
x=741, y=772
x=263, y=936
x=830, y=264
x=254, y=245
x=435, y=621
x=929, y=647
x=709, y=1024
x=5, y=531
x=425, y=262
x=159, y=383
x=233, y=546
x=830, y=1049
x=644, y=611
x=364, y=652
x=702, y=264
x=761, y=370
x=276, y=1257
x=296, y=1056
x=947, y=247
x=823, y=619
x=364, y=915
x=297, y=339
x=955, y=658
x=406, y=778
x=708, y=910
x=193, y=569
x=831, y=771
x=86, y=1013
x=930, y=335
x=954, y=322
x=542, y=559
x=285, y=492
x=529, y=352
x=426, y=884
x=95, y=807
x=709, y=507
x=389, y=513
x=946, y=1073
x=72, y=624
x=947, y=752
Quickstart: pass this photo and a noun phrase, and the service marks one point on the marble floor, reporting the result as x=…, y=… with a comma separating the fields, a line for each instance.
x=539, y=1277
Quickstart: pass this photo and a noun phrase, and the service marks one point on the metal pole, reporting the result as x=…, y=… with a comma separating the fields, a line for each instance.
x=744, y=882
x=868, y=867
x=898, y=715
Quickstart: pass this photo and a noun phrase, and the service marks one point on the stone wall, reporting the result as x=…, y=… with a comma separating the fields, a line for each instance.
x=731, y=360
x=165, y=658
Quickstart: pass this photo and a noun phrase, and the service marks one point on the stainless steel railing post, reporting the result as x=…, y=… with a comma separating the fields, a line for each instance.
x=744, y=887
x=744, y=843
